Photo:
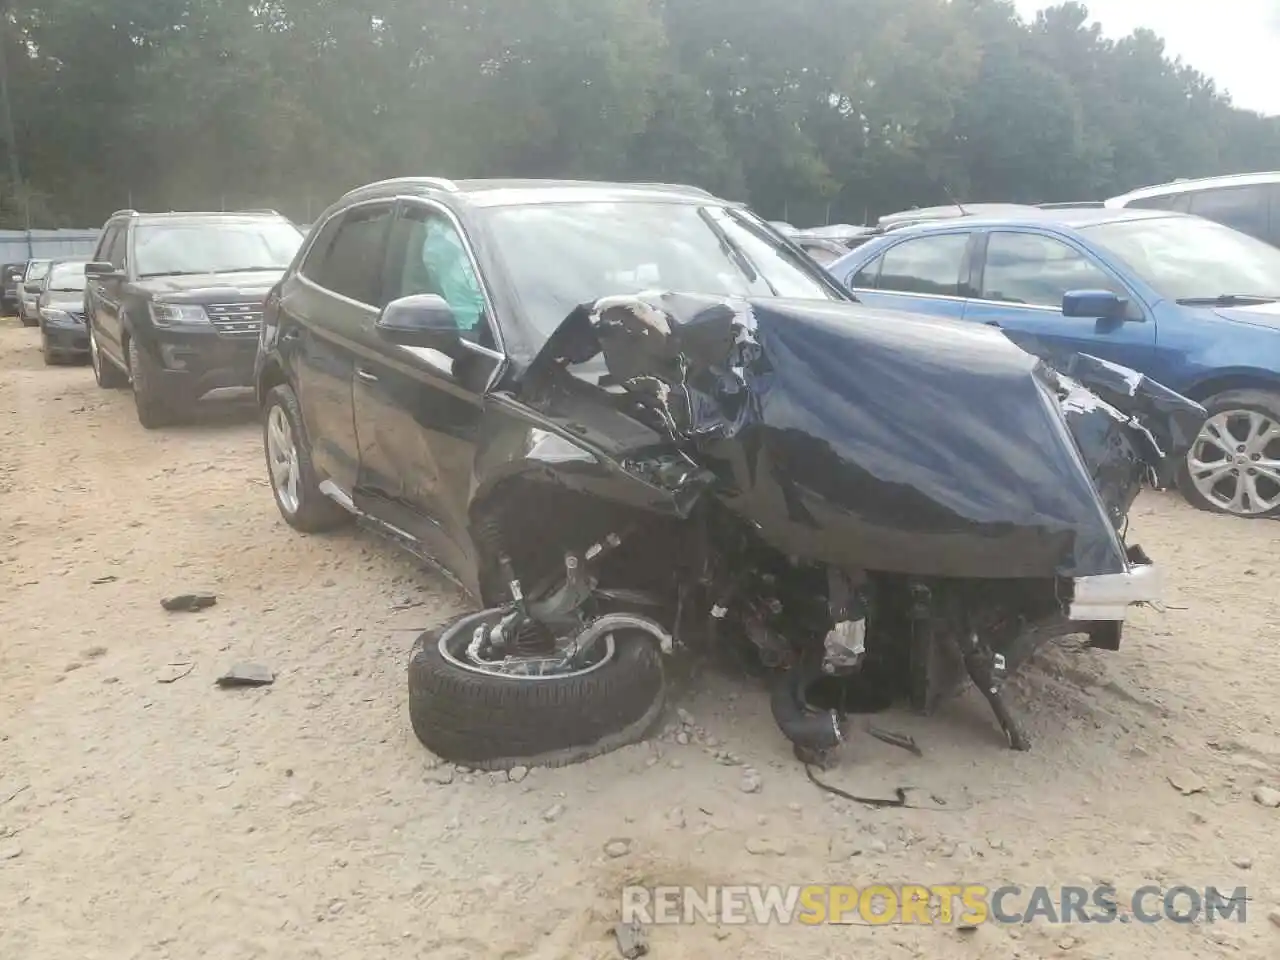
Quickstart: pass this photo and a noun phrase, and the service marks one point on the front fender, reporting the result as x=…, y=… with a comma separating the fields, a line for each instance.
x=582, y=445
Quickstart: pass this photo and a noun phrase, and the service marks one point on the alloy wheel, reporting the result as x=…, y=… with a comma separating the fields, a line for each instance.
x=1235, y=462
x=282, y=457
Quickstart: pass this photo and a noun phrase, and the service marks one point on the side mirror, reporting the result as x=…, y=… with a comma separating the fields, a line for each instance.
x=423, y=320
x=1094, y=305
x=101, y=270
x=32, y=287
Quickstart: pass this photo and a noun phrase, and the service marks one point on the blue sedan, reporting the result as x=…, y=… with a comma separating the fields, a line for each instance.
x=1191, y=303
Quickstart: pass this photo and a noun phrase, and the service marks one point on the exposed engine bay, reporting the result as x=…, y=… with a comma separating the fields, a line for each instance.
x=856, y=507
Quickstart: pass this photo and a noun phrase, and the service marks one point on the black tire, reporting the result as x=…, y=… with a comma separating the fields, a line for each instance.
x=157, y=407
x=493, y=722
x=107, y=375
x=315, y=513
x=51, y=359
x=1251, y=401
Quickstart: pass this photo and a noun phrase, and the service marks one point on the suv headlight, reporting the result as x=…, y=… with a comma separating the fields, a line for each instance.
x=172, y=314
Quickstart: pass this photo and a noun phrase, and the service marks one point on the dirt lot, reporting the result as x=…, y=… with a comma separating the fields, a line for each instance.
x=147, y=819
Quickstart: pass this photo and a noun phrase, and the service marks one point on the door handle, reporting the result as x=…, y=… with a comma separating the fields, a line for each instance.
x=366, y=376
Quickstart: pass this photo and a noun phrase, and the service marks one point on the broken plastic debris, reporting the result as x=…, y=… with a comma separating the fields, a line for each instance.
x=189, y=602
x=247, y=675
x=632, y=940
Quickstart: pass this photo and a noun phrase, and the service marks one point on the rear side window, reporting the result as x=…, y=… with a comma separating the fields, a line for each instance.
x=867, y=277
x=928, y=265
x=1244, y=208
x=347, y=256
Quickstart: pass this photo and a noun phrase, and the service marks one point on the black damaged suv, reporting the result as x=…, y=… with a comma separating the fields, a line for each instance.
x=174, y=302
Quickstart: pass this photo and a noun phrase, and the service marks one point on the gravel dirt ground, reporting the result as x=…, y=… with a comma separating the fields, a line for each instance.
x=144, y=818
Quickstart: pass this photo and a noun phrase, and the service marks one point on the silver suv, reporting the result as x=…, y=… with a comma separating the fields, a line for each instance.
x=1249, y=202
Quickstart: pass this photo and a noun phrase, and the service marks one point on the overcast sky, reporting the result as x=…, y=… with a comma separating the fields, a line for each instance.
x=1236, y=42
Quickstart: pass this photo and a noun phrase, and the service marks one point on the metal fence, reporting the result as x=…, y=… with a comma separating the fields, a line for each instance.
x=17, y=246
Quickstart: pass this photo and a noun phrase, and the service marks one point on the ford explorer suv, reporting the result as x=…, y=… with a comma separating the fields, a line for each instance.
x=174, y=303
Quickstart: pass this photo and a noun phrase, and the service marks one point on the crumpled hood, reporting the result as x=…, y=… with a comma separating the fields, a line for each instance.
x=1259, y=315
x=212, y=287
x=897, y=443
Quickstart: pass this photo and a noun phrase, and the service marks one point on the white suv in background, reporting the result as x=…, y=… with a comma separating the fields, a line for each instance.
x=1249, y=202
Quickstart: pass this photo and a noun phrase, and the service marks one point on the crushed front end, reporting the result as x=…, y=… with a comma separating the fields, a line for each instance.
x=859, y=499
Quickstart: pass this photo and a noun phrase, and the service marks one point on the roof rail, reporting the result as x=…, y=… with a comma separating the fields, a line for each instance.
x=264, y=210
x=439, y=183
x=687, y=188
x=127, y=212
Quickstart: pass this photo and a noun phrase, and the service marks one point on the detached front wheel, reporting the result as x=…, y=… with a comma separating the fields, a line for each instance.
x=493, y=715
x=1234, y=465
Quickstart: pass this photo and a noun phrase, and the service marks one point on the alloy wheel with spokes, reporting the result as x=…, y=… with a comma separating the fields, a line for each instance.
x=282, y=459
x=1234, y=464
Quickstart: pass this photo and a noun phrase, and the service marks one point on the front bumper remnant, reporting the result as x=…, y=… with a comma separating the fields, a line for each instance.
x=1109, y=596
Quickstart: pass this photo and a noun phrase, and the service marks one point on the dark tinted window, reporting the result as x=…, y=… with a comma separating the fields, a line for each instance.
x=1162, y=202
x=433, y=259
x=925, y=265
x=1244, y=208
x=1030, y=269
x=116, y=252
x=866, y=277
x=103, y=253
x=347, y=258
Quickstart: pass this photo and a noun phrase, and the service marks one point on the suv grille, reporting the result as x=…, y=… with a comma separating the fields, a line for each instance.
x=236, y=319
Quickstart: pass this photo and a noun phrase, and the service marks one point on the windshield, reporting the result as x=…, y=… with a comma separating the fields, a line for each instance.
x=1187, y=258
x=561, y=255
x=37, y=269
x=214, y=247
x=68, y=277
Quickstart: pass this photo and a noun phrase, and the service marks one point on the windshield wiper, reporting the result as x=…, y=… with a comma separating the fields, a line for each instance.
x=1227, y=300
x=735, y=253
x=174, y=273
x=248, y=269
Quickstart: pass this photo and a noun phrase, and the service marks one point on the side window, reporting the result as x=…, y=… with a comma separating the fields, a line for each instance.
x=866, y=277
x=105, y=243
x=1274, y=192
x=434, y=259
x=925, y=265
x=313, y=266
x=1244, y=208
x=350, y=262
x=119, y=245
x=1030, y=269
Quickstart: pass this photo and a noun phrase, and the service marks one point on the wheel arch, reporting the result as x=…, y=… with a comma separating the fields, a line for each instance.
x=1221, y=382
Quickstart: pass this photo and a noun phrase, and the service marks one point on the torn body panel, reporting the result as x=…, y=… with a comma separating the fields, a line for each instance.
x=866, y=439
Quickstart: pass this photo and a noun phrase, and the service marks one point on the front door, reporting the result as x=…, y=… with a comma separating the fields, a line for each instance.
x=1021, y=280
x=107, y=292
x=417, y=411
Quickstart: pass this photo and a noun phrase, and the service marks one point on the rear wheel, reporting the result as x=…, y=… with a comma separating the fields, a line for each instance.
x=106, y=373
x=294, y=481
x=1234, y=465
x=488, y=715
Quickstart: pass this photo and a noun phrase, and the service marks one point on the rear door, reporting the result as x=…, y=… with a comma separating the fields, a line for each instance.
x=920, y=274
x=417, y=411
x=329, y=305
x=1021, y=277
